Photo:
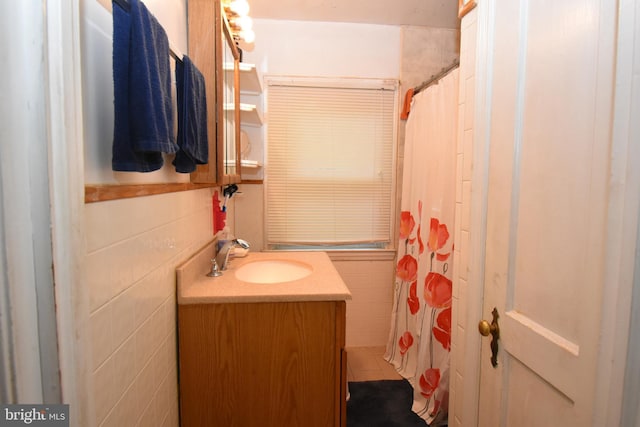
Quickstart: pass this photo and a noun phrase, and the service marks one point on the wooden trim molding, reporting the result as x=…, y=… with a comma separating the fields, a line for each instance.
x=465, y=6
x=101, y=193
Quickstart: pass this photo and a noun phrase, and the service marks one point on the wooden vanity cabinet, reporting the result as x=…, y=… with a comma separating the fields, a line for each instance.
x=278, y=364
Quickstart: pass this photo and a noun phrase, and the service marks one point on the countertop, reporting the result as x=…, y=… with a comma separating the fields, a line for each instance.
x=195, y=287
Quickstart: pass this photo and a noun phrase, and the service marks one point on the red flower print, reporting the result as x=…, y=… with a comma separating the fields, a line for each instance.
x=406, y=340
x=437, y=290
x=429, y=382
x=438, y=235
x=443, y=257
x=407, y=268
x=406, y=224
x=442, y=330
x=413, y=300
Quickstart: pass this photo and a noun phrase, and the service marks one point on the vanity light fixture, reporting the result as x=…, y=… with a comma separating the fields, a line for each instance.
x=239, y=7
x=241, y=24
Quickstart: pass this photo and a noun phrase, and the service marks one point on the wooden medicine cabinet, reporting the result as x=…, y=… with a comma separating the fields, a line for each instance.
x=212, y=49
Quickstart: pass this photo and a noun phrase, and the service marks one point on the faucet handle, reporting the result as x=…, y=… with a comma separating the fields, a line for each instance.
x=242, y=243
x=215, y=271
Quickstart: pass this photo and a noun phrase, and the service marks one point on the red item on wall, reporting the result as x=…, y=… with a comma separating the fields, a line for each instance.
x=219, y=217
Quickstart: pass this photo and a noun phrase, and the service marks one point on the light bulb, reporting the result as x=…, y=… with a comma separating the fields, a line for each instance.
x=240, y=7
x=248, y=35
x=244, y=22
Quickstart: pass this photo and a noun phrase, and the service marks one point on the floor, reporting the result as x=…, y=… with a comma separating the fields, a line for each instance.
x=368, y=364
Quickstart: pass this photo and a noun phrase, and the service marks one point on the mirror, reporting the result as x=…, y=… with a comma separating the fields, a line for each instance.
x=230, y=97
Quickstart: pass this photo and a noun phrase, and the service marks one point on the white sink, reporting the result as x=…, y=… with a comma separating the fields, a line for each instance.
x=273, y=271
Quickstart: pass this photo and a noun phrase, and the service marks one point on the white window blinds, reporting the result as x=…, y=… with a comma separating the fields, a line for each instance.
x=330, y=159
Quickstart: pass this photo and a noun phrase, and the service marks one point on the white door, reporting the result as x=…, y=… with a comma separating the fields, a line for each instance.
x=549, y=153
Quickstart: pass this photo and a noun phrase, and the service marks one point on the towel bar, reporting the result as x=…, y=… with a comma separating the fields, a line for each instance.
x=124, y=4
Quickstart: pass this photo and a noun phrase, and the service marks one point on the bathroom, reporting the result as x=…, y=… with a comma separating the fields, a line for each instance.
x=115, y=260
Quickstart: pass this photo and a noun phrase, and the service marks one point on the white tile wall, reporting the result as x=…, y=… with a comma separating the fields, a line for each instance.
x=425, y=51
x=369, y=310
x=133, y=248
x=249, y=214
x=466, y=99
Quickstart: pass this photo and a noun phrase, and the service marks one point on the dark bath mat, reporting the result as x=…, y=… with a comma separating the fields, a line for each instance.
x=385, y=403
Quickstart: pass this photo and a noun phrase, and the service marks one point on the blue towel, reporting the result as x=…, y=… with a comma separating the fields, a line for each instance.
x=143, y=119
x=192, y=117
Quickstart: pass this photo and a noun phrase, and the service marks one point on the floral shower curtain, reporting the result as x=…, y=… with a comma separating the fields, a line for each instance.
x=420, y=336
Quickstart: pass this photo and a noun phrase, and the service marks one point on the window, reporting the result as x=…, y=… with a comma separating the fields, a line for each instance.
x=330, y=163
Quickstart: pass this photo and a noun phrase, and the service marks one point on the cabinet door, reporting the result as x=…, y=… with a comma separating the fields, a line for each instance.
x=341, y=374
x=230, y=129
x=266, y=364
x=210, y=45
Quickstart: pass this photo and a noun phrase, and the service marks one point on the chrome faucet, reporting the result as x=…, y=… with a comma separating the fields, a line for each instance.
x=222, y=259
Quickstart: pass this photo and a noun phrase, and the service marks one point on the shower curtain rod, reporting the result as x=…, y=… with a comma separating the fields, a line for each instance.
x=124, y=4
x=434, y=78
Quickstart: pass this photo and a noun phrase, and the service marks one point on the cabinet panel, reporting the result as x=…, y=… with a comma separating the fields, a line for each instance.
x=204, y=47
x=267, y=364
x=341, y=356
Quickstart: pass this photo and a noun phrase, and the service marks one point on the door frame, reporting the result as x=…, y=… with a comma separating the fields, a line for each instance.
x=484, y=39
x=617, y=358
x=30, y=370
x=64, y=119
x=623, y=220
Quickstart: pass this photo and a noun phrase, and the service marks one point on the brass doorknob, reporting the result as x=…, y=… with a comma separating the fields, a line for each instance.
x=485, y=328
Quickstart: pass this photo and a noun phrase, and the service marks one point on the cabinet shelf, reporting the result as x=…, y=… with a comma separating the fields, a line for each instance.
x=249, y=164
x=249, y=114
x=250, y=81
